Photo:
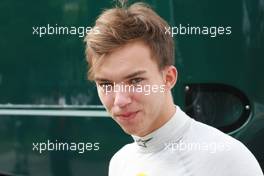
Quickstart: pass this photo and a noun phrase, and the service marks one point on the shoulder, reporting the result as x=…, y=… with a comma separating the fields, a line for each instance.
x=119, y=158
x=123, y=152
x=229, y=155
x=236, y=159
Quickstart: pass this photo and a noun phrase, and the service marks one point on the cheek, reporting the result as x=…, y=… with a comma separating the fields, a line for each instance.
x=148, y=96
x=139, y=98
x=151, y=103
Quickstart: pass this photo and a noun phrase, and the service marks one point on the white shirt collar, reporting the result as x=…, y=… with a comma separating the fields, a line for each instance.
x=173, y=130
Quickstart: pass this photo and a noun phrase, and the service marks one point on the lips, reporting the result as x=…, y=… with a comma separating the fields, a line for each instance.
x=127, y=115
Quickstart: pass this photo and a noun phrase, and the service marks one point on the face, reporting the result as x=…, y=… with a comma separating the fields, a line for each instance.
x=133, y=89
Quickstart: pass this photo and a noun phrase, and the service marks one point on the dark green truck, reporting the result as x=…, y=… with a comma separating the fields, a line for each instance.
x=45, y=98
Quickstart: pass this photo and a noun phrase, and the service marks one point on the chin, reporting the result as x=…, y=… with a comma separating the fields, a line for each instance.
x=134, y=132
x=130, y=131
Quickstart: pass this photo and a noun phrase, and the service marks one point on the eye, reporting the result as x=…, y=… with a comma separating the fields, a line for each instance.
x=105, y=86
x=135, y=81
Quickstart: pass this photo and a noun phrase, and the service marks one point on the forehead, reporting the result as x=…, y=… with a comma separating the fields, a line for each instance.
x=124, y=61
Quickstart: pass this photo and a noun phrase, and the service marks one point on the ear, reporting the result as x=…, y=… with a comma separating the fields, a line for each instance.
x=170, y=76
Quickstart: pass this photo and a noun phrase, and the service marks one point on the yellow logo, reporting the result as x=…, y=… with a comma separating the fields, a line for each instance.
x=141, y=174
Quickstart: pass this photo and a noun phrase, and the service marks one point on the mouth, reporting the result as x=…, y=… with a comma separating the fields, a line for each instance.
x=127, y=115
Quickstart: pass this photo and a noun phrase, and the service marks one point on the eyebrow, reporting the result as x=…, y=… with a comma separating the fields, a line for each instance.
x=137, y=73
x=140, y=72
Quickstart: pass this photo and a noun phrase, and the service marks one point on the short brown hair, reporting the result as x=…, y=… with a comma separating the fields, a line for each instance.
x=121, y=25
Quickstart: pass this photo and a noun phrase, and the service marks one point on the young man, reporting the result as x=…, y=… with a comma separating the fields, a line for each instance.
x=131, y=61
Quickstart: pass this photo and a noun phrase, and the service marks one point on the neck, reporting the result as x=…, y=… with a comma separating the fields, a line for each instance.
x=169, y=110
x=172, y=130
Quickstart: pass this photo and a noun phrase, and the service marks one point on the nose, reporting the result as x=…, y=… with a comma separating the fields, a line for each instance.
x=122, y=99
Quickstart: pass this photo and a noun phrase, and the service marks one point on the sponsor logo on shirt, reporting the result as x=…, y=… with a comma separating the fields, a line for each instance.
x=141, y=174
x=143, y=143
